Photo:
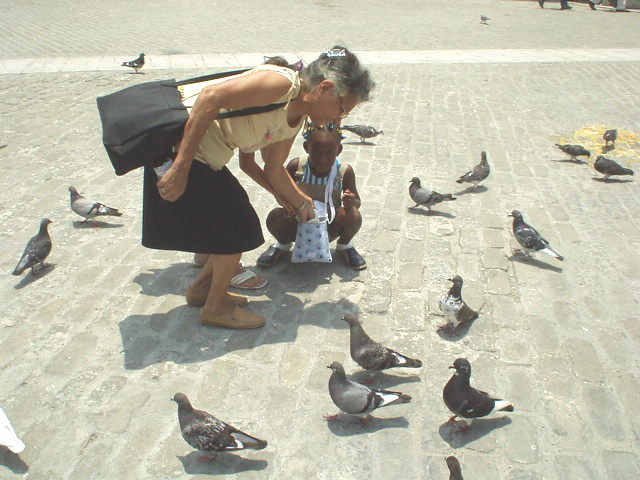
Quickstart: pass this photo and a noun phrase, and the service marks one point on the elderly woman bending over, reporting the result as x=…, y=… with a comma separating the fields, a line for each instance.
x=199, y=206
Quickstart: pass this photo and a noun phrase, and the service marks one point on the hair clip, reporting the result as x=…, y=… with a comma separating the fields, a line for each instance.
x=336, y=52
x=298, y=66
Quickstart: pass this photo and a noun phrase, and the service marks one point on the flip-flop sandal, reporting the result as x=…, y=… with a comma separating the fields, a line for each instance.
x=238, y=280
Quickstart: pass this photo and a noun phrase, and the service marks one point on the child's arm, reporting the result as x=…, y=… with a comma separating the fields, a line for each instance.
x=350, y=195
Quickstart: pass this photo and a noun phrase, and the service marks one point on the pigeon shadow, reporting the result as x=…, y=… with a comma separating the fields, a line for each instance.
x=427, y=213
x=95, y=224
x=177, y=335
x=607, y=148
x=478, y=428
x=32, y=277
x=350, y=425
x=457, y=333
x=225, y=464
x=573, y=162
x=481, y=188
x=525, y=260
x=12, y=461
x=383, y=380
x=358, y=143
x=611, y=180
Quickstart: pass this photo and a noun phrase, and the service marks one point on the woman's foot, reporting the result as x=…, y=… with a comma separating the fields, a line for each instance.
x=235, y=317
x=196, y=297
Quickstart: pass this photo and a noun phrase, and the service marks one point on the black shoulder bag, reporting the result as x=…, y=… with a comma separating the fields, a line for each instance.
x=141, y=124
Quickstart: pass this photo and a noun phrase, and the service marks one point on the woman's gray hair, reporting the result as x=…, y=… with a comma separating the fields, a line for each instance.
x=344, y=69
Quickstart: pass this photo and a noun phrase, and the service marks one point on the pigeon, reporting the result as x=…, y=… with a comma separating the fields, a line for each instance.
x=136, y=64
x=88, y=208
x=354, y=398
x=205, y=432
x=455, y=472
x=478, y=174
x=8, y=437
x=608, y=167
x=424, y=197
x=371, y=355
x=574, y=151
x=464, y=400
x=530, y=239
x=483, y=19
x=2, y=145
x=363, y=131
x=611, y=136
x=455, y=310
x=36, y=250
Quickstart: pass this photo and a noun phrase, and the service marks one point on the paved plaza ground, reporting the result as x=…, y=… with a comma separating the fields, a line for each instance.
x=93, y=349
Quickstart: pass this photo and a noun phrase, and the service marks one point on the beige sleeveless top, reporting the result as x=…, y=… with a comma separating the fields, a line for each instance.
x=249, y=133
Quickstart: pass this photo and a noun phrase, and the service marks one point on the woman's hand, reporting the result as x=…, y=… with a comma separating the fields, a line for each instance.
x=173, y=183
x=291, y=211
x=306, y=212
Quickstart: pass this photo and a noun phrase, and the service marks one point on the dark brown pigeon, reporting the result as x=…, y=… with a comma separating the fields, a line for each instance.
x=478, y=174
x=574, y=151
x=205, y=432
x=371, y=355
x=610, y=136
x=37, y=249
x=136, y=64
x=609, y=167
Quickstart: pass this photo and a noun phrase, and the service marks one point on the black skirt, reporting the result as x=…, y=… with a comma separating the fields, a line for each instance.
x=212, y=216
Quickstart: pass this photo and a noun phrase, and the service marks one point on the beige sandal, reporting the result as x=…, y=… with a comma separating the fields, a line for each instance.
x=238, y=318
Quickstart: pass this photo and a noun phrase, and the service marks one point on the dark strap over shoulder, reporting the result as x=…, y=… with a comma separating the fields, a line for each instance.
x=235, y=113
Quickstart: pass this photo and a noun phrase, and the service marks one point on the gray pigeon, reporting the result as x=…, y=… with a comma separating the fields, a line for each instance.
x=484, y=19
x=136, y=64
x=610, y=136
x=88, y=208
x=530, y=239
x=424, y=197
x=37, y=249
x=478, y=174
x=574, y=151
x=608, y=167
x=455, y=472
x=465, y=401
x=363, y=131
x=454, y=308
x=371, y=355
x=205, y=432
x=357, y=399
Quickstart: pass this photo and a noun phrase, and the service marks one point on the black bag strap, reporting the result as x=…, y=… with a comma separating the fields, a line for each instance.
x=235, y=113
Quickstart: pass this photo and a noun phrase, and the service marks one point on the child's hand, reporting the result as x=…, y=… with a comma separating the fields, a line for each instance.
x=347, y=199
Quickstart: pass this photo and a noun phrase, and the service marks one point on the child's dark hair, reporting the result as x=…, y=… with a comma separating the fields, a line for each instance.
x=282, y=62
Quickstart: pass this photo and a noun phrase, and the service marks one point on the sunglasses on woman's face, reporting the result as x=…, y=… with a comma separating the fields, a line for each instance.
x=343, y=113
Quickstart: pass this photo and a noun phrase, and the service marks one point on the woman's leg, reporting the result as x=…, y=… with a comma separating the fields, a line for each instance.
x=218, y=310
x=198, y=291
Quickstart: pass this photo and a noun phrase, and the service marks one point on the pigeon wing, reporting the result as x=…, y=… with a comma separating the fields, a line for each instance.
x=529, y=237
x=423, y=196
x=354, y=398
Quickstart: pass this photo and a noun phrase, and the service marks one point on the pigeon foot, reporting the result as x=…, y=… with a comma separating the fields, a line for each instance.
x=365, y=420
x=448, y=328
x=206, y=458
x=452, y=420
x=464, y=428
x=331, y=418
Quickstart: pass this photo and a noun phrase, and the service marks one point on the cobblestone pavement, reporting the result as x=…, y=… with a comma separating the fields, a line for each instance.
x=94, y=348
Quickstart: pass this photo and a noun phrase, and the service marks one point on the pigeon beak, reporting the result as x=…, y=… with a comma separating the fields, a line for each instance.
x=509, y=215
x=329, y=366
x=451, y=366
x=450, y=279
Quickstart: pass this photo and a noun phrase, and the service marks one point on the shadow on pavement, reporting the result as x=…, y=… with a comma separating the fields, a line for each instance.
x=478, y=428
x=427, y=213
x=533, y=262
x=480, y=189
x=382, y=380
x=349, y=425
x=95, y=224
x=178, y=336
x=573, y=162
x=157, y=282
x=457, y=333
x=611, y=180
x=30, y=277
x=12, y=461
x=225, y=464
x=353, y=142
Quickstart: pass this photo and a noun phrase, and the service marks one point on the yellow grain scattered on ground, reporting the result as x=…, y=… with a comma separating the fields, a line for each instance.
x=627, y=147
